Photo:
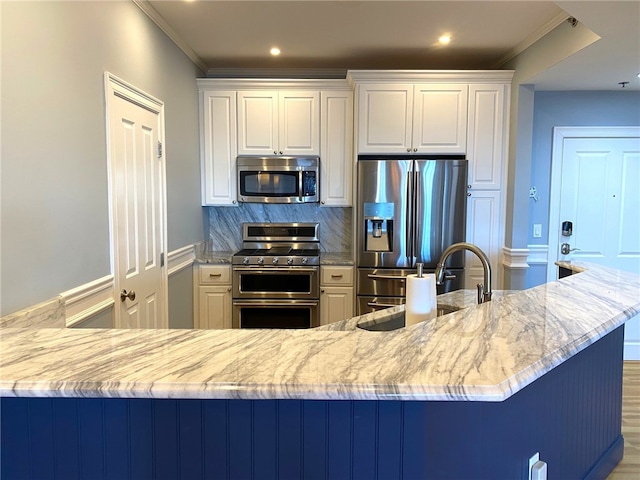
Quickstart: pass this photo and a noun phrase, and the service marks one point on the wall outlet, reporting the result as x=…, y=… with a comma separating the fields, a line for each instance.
x=537, y=230
x=532, y=462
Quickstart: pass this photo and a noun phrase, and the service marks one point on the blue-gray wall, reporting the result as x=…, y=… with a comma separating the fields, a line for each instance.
x=575, y=109
x=54, y=213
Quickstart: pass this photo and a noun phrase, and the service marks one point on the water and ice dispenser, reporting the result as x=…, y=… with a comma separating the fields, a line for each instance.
x=378, y=227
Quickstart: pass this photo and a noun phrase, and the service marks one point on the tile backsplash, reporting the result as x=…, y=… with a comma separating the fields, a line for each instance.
x=225, y=223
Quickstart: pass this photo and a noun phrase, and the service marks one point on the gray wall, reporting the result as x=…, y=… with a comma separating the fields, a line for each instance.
x=181, y=299
x=54, y=208
x=576, y=109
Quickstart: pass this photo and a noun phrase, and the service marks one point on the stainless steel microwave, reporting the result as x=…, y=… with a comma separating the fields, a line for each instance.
x=278, y=179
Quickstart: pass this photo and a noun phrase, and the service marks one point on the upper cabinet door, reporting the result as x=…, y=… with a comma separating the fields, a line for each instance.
x=258, y=122
x=487, y=138
x=299, y=123
x=385, y=116
x=336, y=162
x=279, y=123
x=439, y=118
x=218, y=147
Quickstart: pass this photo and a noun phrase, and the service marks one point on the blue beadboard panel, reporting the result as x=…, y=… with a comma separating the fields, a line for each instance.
x=571, y=415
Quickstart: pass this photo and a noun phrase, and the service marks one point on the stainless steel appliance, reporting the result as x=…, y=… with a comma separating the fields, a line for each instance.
x=409, y=210
x=275, y=276
x=278, y=179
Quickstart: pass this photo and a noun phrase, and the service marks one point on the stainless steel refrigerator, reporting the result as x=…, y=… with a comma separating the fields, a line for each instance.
x=409, y=210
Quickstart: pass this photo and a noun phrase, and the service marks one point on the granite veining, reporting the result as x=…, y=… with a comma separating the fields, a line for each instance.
x=336, y=258
x=225, y=223
x=48, y=314
x=482, y=352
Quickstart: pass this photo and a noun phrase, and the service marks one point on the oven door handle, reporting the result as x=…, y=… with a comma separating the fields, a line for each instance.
x=387, y=277
x=261, y=270
x=381, y=305
x=275, y=303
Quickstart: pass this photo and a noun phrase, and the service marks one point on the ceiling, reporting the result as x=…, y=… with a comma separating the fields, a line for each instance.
x=230, y=38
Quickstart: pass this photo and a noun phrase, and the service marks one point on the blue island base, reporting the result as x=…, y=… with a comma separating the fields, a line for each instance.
x=571, y=416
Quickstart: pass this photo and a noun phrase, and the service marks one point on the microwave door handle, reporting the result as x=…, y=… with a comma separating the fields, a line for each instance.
x=300, y=175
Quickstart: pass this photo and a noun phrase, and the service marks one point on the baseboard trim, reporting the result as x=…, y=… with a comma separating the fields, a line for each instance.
x=608, y=461
x=87, y=300
x=515, y=258
x=180, y=259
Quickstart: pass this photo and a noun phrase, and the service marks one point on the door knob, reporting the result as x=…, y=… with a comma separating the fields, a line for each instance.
x=131, y=295
x=565, y=249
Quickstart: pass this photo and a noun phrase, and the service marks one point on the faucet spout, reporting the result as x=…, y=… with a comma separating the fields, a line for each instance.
x=484, y=290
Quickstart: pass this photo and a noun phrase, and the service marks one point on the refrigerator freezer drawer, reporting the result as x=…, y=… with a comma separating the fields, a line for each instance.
x=391, y=282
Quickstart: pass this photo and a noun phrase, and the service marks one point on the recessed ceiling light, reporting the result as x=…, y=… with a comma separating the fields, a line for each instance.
x=275, y=51
x=444, y=39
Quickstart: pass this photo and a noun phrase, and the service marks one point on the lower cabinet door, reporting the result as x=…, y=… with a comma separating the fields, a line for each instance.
x=336, y=303
x=215, y=307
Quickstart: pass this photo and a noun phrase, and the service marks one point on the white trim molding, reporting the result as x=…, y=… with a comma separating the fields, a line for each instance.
x=156, y=18
x=180, y=259
x=515, y=258
x=538, y=254
x=87, y=300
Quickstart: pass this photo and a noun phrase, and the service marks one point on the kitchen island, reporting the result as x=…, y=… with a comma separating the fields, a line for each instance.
x=473, y=394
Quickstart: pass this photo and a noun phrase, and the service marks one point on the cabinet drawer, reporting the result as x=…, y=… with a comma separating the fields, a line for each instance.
x=215, y=274
x=336, y=276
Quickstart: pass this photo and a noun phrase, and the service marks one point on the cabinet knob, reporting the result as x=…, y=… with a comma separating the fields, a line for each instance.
x=275, y=152
x=415, y=149
x=322, y=202
x=233, y=201
x=468, y=194
x=322, y=290
x=228, y=289
x=408, y=150
x=280, y=152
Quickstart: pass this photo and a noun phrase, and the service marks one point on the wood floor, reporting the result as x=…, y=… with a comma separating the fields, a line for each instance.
x=629, y=467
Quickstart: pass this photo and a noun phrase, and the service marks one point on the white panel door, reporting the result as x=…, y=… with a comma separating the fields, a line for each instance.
x=439, y=119
x=137, y=172
x=601, y=197
x=599, y=193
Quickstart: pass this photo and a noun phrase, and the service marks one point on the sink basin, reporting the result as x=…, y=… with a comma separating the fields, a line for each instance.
x=397, y=321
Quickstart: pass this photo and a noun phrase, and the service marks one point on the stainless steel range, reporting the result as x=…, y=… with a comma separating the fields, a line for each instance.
x=275, y=276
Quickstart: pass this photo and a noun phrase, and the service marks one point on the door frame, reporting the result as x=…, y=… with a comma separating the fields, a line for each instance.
x=559, y=136
x=115, y=86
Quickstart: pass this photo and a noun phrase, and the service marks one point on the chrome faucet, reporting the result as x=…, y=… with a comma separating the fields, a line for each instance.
x=484, y=291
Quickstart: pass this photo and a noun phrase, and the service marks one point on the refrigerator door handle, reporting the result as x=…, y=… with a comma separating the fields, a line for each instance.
x=409, y=218
x=414, y=214
x=387, y=277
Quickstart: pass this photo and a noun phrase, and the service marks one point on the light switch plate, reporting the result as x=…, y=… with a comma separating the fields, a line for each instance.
x=537, y=230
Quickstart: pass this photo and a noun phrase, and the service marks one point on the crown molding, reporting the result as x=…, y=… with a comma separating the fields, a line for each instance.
x=278, y=73
x=429, y=76
x=153, y=14
x=533, y=38
x=263, y=83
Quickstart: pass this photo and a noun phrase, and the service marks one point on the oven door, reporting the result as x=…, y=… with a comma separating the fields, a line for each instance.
x=275, y=314
x=276, y=283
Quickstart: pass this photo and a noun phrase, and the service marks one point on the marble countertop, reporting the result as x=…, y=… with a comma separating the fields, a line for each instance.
x=482, y=352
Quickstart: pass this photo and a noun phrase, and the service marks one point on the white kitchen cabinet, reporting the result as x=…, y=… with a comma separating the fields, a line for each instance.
x=336, y=293
x=213, y=297
x=336, y=150
x=272, y=122
x=486, y=135
x=218, y=147
x=412, y=118
x=484, y=229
